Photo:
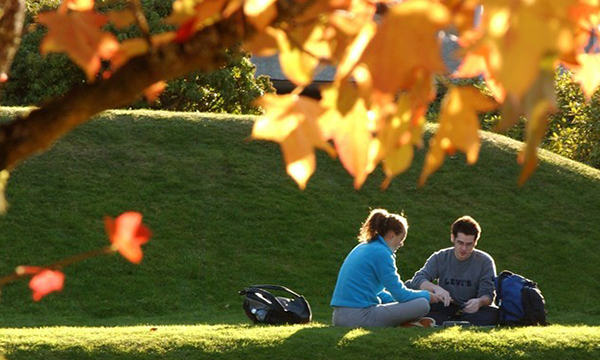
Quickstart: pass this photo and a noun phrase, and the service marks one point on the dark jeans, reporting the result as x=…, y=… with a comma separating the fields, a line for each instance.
x=487, y=315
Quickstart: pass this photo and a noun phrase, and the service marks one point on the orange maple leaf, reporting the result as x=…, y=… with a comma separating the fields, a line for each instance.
x=77, y=5
x=260, y=13
x=300, y=51
x=539, y=102
x=45, y=282
x=588, y=73
x=407, y=40
x=397, y=139
x=127, y=234
x=153, y=91
x=291, y=120
x=79, y=35
x=458, y=128
x=520, y=35
x=351, y=126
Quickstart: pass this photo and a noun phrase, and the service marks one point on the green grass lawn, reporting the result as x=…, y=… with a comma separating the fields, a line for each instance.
x=225, y=215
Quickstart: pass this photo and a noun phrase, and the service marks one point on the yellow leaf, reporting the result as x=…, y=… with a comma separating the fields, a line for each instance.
x=4, y=175
x=292, y=121
x=406, y=40
x=260, y=13
x=354, y=51
x=347, y=123
x=79, y=35
x=458, y=129
x=198, y=10
x=263, y=43
x=397, y=137
x=521, y=34
x=76, y=5
x=297, y=65
x=588, y=73
x=537, y=105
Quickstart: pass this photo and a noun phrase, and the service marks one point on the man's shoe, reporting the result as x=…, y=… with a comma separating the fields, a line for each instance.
x=425, y=322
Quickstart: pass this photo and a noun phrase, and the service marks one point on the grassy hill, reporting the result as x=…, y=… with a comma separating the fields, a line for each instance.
x=225, y=215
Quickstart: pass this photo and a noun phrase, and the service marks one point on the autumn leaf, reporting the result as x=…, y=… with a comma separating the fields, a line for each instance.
x=301, y=51
x=121, y=18
x=406, y=40
x=264, y=43
x=398, y=137
x=519, y=35
x=4, y=175
x=260, y=13
x=127, y=234
x=79, y=35
x=45, y=282
x=351, y=131
x=291, y=120
x=588, y=73
x=536, y=106
x=77, y=5
x=153, y=91
x=137, y=46
x=458, y=127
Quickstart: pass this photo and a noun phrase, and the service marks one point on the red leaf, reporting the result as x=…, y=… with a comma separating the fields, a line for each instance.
x=127, y=234
x=46, y=282
x=153, y=91
x=78, y=34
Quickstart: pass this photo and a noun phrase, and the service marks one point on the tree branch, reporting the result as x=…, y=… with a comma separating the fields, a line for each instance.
x=39, y=129
x=12, y=16
x=205, y=51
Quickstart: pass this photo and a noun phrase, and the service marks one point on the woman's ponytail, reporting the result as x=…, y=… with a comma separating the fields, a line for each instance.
x=379, y=222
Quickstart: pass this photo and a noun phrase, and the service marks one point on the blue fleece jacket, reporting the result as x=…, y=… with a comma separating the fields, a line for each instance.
x=369, y=277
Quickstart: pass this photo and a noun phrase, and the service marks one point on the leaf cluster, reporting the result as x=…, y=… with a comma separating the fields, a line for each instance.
x=36, y=78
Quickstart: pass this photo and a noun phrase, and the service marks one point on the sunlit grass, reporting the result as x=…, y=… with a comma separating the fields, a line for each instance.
x=232, y=341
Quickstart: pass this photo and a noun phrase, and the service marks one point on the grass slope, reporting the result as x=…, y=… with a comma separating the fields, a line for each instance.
x=225, y=215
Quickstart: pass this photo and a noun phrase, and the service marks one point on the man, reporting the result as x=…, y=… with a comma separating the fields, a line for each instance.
x=465, y=278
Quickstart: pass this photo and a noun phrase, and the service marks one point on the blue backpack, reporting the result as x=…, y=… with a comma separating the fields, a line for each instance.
x=520, y=301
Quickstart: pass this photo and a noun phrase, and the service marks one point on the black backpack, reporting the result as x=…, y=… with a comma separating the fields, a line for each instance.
x=520, y=300
x=263, y=307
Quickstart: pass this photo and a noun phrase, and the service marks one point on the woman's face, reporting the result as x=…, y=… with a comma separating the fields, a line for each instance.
x=395, y=241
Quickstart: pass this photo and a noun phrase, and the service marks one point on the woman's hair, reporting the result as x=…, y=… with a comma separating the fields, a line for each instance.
x=379, y=222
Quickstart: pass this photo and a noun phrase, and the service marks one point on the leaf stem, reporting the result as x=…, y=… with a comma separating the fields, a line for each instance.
x=59, y=264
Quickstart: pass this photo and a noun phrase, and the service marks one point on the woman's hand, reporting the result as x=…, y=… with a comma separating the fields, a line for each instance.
x=434, y=298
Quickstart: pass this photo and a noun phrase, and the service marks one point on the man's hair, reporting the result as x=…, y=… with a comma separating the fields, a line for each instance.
x=466, y=225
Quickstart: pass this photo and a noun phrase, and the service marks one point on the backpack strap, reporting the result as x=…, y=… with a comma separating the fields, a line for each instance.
x=276, y=287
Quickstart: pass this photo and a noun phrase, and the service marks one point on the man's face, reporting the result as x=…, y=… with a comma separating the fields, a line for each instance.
x=463, y=245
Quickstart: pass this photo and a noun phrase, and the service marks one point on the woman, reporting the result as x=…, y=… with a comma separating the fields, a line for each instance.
x=369, y=291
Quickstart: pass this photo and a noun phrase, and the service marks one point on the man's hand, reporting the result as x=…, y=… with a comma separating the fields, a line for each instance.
x=443, y=294
x=472, y=306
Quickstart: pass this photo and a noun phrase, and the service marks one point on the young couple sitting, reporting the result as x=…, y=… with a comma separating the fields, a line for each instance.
x=369, y=291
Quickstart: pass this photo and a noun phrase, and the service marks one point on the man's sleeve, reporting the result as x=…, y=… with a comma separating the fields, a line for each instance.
x=486, y=281
x=429, y=271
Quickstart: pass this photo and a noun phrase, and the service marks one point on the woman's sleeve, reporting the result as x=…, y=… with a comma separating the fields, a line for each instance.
x=388, y=275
